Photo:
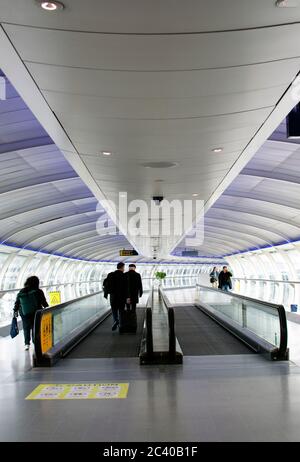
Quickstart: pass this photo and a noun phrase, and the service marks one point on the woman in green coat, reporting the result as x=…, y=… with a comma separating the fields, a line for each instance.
x=29, y=300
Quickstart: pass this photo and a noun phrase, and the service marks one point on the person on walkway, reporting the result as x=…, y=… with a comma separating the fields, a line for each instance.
x=214, y=275
x=116, y=285
x=225, y=279
x=134, y=286
x=29, y=300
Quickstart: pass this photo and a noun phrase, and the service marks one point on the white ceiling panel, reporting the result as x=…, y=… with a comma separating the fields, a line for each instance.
x=155, y=52
x=177, y=85
x=131, y=148
x=170, y=82
x=167, y=127
x=159, y=108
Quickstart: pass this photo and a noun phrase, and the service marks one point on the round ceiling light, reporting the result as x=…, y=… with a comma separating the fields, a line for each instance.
x=106, y=153
x=159, y=164
x=52, y=6
x=218, y=150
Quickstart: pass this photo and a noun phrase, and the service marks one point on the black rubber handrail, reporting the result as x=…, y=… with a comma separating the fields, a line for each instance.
x=149, y=332
x=146, y=348
x=172, y=336
x=282, y=349
x=171, y=322
x=173, y=353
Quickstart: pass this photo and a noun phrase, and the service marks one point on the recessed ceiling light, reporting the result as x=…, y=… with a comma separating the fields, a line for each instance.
x=218, y=150
x=106, y=153
x=195, y=195
x=52, y=6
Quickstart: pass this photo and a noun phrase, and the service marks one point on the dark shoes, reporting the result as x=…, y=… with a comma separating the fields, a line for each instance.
x=115, y=325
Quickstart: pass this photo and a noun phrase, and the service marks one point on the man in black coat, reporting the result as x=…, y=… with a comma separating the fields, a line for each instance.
x=116, y=285
x=134, y=286
x=225, y=279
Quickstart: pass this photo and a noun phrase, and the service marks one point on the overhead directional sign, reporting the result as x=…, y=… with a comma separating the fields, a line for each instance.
x=127, y=253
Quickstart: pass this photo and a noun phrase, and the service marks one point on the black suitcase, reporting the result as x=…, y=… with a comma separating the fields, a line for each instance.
x=128, y=320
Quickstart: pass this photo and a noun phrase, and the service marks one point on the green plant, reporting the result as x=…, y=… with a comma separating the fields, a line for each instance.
x=160, y=275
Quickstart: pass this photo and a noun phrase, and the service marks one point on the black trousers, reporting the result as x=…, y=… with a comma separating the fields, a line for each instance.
x=116, y=306
x=28, y=322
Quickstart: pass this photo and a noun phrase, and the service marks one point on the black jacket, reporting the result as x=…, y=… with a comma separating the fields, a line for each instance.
x=225, y=278
x=134, y=286
x=116, y=285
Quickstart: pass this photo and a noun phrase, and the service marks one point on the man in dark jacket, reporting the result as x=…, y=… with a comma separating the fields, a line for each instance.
x=116, y=285
x=225, y=279
x=134, y=286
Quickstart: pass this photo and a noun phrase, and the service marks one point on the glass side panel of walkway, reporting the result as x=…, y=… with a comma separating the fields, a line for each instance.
x=259, y=324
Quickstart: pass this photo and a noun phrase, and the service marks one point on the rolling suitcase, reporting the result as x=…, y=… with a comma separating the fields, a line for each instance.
x=128, y=320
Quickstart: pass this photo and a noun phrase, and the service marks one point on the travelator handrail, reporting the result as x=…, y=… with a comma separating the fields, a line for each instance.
x=46, y=353
x=252, y=339
x=159, y=344
x=171, y=319
x=146, y=348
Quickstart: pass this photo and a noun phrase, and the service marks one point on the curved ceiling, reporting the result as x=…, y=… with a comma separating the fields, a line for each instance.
x=155, y=81
x=261, y=207
x=44, y=205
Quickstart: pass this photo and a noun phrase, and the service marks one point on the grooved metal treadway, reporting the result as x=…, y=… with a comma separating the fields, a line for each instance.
x=199, y=335
x=103, y=343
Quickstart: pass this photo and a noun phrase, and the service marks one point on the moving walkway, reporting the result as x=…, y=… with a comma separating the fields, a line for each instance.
x=217, y=323
x=221, y=322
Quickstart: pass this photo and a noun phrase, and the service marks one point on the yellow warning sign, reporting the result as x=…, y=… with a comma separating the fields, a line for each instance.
x=46, y=332
x=55, y=298
x=80, y=391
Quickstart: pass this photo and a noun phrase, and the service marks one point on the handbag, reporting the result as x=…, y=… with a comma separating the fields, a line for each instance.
x=14, y=329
